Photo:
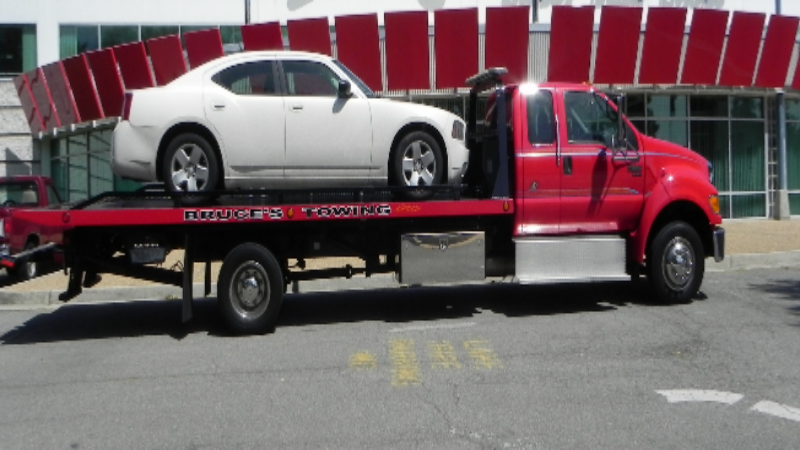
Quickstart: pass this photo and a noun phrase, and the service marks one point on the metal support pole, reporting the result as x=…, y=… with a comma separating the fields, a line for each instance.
x=247, y=12
x=781, y=200
x=188, y=278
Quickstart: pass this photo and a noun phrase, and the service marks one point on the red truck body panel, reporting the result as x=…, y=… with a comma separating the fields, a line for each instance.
x=30, y=191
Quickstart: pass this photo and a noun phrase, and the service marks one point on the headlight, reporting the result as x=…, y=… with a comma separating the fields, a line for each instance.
x=710, y=172
x=458, y=130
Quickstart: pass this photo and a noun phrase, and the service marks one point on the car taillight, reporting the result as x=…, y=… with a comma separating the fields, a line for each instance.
x=126, y=106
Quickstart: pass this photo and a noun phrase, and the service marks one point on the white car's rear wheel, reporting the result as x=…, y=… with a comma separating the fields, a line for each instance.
x=190, y=165
x=417, y=162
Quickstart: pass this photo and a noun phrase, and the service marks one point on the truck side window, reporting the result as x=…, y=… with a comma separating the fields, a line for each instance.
x=541, y=122
x=590, y=118
x=308, y=78
x=52, y=196
x=252, y=78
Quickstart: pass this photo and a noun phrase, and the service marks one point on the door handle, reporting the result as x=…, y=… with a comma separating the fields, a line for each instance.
x=219, y=106
x=297, y=107
x=567, y=165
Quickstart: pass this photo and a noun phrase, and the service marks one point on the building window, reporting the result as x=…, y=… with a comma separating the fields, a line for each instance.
x=793, y=153
x=112, y=35
x=77, y=39
x=17, y=49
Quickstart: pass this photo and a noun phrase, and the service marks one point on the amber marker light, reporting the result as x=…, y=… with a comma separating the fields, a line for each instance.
x=714, y=202
x=505, y=206
x=290, y=213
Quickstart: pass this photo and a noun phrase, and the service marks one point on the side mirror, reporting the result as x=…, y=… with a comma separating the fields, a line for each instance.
x=344, y=89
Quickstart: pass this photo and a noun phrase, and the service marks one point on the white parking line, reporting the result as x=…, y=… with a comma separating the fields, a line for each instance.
x=777, y=410
x=432, y=327
x=696, y=395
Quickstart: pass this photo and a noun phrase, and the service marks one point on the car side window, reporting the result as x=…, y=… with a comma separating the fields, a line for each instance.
x=308, y=78
x=251, y=78
x=590, y=118
x=541, y=118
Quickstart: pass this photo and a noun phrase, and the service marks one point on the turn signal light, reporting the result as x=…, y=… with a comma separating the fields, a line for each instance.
x=714, y=202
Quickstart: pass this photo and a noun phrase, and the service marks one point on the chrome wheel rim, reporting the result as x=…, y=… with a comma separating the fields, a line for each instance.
x=189, y=168
x=30, y=269
x=419, y=164
x=678, y=263
x=249, y=291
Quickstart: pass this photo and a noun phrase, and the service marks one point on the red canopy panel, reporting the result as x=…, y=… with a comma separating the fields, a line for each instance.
x=663, y=40
x=507, y=38
x=83, y=91
x=166, y=55
x=777, y=52
x=407, y=54
x=262, y=36
x=617, y=45
x=133, y=65
x=41, y=96
x=455, y=34
x=358, y=46
x=61, y=94
x=107, y=81
x=704, y=48
x=28, y=105
x=570, y=53
x=741, y=52
x=203, y=46
x=310, y=35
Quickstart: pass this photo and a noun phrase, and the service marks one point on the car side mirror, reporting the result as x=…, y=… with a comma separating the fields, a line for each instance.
x=344, y=89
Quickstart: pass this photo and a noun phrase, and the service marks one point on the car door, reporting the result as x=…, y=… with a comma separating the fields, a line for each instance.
x=598, y=193
x=540, y=184
x=328, y=137
x=244, y=105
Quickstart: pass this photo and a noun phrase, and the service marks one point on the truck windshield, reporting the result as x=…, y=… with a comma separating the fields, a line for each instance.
x=19, y=194
x=361, y=85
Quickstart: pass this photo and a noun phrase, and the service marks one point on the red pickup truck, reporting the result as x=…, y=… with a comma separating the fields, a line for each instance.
x=26, y=192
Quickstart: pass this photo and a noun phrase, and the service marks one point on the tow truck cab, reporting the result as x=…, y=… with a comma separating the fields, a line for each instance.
x=594, y=198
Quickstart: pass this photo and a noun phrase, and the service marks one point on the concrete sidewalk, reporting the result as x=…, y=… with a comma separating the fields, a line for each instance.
x=751, y=243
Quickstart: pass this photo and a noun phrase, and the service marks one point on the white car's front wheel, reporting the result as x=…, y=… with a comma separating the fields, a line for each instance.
x=190, y=165
x=417, y=162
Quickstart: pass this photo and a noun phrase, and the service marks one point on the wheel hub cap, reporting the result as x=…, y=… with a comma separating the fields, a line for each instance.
x=190, y=169
x=419, y=164
x=249, y=291
x=678, y=263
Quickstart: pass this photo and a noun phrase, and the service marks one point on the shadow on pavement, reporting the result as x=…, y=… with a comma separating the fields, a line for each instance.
x=149, y=318
x=785, y=289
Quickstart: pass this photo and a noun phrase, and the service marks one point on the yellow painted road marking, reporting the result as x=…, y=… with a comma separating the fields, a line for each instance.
x=443, y=355
x=363, y=361
x=482, y=356
x=405, y=367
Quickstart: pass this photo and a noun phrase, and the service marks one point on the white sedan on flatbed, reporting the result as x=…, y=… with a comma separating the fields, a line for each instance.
x=283, y=120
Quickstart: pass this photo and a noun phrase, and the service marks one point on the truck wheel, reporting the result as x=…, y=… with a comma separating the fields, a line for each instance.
x=676, y=263
x=190, y=165
x=28, y=268
x=417, y=161
x=250, y=289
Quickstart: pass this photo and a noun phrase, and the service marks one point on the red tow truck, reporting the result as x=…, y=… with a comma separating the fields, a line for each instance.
x=560, y=188
x=24, y=192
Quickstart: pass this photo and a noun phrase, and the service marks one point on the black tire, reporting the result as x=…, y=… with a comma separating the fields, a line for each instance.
x=676, y=263
x=190, y=165
x=416, y=160
x=27, y=268
x=250, y=289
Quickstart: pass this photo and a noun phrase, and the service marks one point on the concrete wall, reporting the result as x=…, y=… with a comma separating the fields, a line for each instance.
x=17, y=154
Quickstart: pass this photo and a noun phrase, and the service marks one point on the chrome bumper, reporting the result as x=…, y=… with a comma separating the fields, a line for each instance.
x=719, y=244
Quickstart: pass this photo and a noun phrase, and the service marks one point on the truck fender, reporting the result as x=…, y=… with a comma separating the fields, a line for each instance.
x=671, y=190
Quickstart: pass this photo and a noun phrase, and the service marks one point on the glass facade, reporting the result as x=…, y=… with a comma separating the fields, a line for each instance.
x=17, y=49
x=793, y=153
x=729, y=131
x=80, y=166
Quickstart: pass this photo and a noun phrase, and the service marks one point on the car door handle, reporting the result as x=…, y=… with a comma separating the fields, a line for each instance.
x=568, y=165
x=297, y=107
x=219, y=106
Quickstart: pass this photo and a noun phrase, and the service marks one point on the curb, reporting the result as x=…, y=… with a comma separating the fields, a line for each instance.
x=743, y=261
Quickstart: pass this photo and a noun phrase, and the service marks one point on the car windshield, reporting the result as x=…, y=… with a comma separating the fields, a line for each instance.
x=361, y=85
x=18, y=194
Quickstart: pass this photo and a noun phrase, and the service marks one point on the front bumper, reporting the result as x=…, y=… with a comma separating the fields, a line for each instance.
x=719, y=243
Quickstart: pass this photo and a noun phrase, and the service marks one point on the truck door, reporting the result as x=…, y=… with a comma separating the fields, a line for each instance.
x=539, y=183
x=328, y=138
x=598, y=194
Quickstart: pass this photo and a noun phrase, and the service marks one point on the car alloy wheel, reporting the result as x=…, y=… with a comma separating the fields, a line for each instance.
x=190, y=168
x=419, y=164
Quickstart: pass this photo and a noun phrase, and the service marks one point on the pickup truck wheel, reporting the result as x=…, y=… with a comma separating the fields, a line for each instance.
x=190, y=165
x=250, y=289
x=676, y=263
x=417, y=161
x=28, y=268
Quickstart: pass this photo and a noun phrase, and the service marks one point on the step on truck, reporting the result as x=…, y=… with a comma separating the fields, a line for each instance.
x=560, y=188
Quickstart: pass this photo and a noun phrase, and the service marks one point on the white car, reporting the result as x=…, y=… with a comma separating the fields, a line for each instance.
x=285, y=120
